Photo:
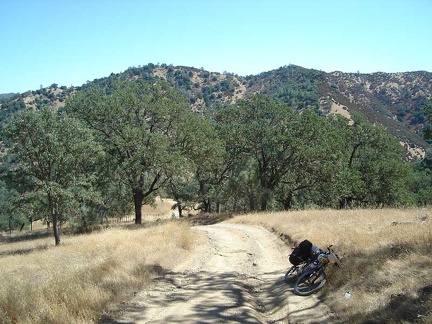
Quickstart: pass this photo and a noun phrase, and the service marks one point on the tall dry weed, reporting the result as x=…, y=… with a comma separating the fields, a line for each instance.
x=387, y=262
x=75, y=282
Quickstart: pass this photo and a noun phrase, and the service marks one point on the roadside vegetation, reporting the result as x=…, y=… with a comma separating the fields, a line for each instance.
x=116, y=145
x=386, y=262
x=77, y=281
x=386, y=265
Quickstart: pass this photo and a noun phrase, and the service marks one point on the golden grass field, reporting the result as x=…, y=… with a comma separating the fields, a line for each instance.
x=387, y=265
x=76, y=281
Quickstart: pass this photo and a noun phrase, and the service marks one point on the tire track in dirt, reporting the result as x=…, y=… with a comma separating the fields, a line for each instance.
x=236, y=277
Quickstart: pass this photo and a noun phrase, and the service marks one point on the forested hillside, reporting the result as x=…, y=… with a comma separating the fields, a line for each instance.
x=290, y=138
x=394, y=100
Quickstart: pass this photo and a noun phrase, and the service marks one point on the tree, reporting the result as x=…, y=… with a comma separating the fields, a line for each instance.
x=242, y=189
x=427, y=131
x=315, y=165
x=56, y=157
x=421, y=184
x=205, y=155
x=374, y=172
x=283, y=146
x=146, y=129
x=248, y=129
x=9, y=216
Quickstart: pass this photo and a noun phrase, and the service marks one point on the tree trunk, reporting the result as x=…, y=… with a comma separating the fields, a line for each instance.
x=263, y=204
x=54, y=218
x=252, y=203
x=345, y=202
x=138, y=197
x=180, y=209
x=288, y=201
x=56, y=229
x=264, y=201
x=207, y=205
x=267, y=188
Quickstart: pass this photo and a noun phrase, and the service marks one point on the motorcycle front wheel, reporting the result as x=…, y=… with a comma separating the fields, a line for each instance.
x=310, y=282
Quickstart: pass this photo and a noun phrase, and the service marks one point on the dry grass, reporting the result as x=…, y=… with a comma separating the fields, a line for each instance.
x=75, y=282
x=387, y=265
x=159, y=207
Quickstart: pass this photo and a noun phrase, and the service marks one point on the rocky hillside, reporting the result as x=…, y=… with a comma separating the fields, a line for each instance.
x=392, y=99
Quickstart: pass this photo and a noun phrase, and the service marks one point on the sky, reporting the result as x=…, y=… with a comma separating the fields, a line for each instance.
x=70, y=42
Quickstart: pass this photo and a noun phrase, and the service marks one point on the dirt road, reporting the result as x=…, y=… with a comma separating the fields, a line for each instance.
x=236, y=277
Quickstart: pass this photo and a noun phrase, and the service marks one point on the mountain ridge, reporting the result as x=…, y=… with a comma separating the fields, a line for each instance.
x=394, y=100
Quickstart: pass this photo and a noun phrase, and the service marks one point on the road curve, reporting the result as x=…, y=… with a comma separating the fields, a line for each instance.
x=236, y=277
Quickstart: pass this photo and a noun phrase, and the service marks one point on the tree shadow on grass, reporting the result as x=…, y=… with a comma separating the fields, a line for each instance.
x=23, y=251
x=208, y=218
x=401, y=307
x=29, y=236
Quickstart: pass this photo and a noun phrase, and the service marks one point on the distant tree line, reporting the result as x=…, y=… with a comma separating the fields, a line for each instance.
x=116, y=146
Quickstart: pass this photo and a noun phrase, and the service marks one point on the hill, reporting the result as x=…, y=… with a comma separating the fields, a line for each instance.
x=394, y=100
x=6, y=95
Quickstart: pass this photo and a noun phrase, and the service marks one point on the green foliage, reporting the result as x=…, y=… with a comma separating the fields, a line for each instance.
x=200, y=143
x=10, y=217
x=266, y=152
x=293, y=85
x=427, y=130
x=421, y=184
x=146, y=128
x=10, y=106
x=57, y=158
x=6, y=95
x=285, y=151
x=374, y=170
x=278, y=157
x=316, y=164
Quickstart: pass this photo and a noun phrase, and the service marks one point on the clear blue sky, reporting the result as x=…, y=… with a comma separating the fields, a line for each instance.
x=69, y=42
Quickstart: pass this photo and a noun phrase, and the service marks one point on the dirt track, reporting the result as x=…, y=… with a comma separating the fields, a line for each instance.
x=236, y=277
